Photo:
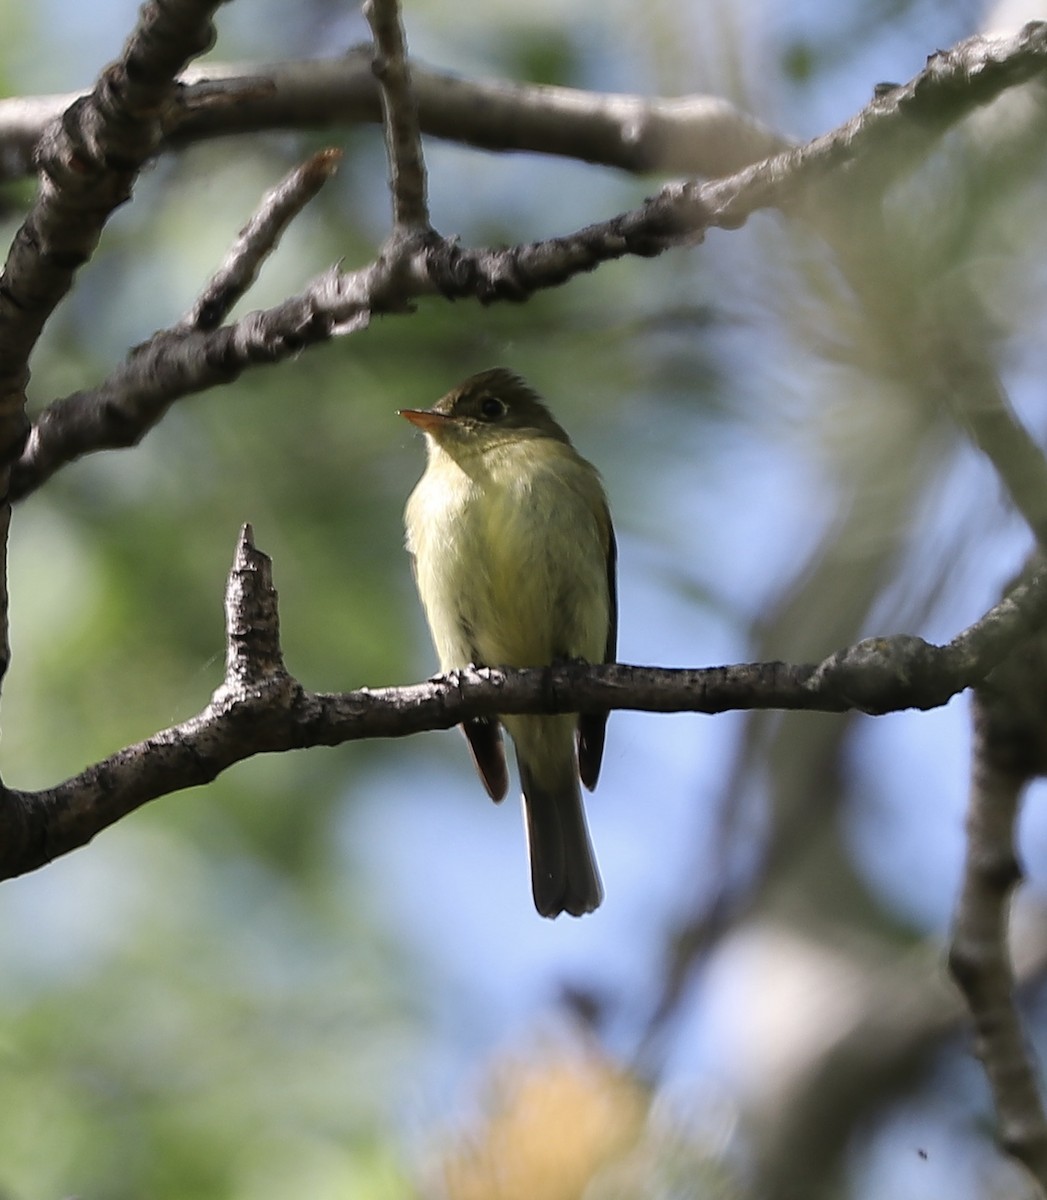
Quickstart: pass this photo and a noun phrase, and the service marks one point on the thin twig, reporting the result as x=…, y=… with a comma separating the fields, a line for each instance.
x=403, y=141
x=178, y=361
x=258, y=239
x=976, y=397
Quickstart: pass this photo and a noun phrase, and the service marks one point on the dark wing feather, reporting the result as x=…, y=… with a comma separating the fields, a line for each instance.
x=592, y=727
x=484, y=735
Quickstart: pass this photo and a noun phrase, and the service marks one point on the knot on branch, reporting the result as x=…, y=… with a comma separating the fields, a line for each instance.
x=463, y=681
x=679, y=213
x=885, y=674
x=487, y=275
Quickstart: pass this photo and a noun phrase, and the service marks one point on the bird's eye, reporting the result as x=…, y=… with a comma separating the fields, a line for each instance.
x=491, y=408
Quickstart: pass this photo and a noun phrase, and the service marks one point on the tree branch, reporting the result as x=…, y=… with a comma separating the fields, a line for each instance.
x=260, y=708
x=1010, y=749
x=87, y=164
x=258, y=239
x=973, y=393
x=399, y=119
x=699, y=135
x=180, y=362
x=688, y=135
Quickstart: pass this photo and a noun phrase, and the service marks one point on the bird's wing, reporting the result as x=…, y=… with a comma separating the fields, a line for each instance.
x=592, y=727
x=484, y=735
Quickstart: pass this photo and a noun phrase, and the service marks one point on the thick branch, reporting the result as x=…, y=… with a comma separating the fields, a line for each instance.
x=689, y=135
x=87, y=164
x=260, y=708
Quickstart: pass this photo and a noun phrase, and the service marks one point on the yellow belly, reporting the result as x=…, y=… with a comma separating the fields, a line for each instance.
x=511, y=560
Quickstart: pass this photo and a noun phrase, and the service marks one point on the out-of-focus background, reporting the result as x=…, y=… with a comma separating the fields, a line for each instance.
x=323, y=975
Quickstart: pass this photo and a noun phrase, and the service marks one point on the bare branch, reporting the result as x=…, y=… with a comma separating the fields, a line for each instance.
x=701, y=135
x=182, y=360
x=403, y=141
x=258, y=239
x=972, y=391
x=179, y=362
x=1010, y=749
x=260, y=708
x=688, y=135
x=88, y=163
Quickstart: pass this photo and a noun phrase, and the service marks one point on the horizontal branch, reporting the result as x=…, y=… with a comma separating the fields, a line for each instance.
x=261, y=708
x=686, y=135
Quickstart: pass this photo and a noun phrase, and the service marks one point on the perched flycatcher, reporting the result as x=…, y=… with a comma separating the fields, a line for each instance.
x=514, y=556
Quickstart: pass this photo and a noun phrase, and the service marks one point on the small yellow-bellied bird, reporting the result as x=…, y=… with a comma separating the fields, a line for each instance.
x=514, y=557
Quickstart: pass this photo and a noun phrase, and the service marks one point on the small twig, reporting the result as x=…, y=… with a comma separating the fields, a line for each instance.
x=1010, y=749
x=399, y=118
x=974, y=394
x=258, y=239
x=253, y=656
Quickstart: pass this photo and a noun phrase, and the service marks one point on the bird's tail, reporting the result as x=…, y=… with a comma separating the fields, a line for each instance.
x=564, y=876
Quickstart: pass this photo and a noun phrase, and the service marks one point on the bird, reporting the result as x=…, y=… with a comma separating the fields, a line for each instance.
x=514, y=557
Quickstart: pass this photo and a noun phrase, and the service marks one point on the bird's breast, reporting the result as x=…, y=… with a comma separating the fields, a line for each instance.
x=511, y=557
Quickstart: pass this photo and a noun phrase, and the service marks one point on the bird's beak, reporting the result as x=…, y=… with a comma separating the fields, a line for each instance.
x=426, y=419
